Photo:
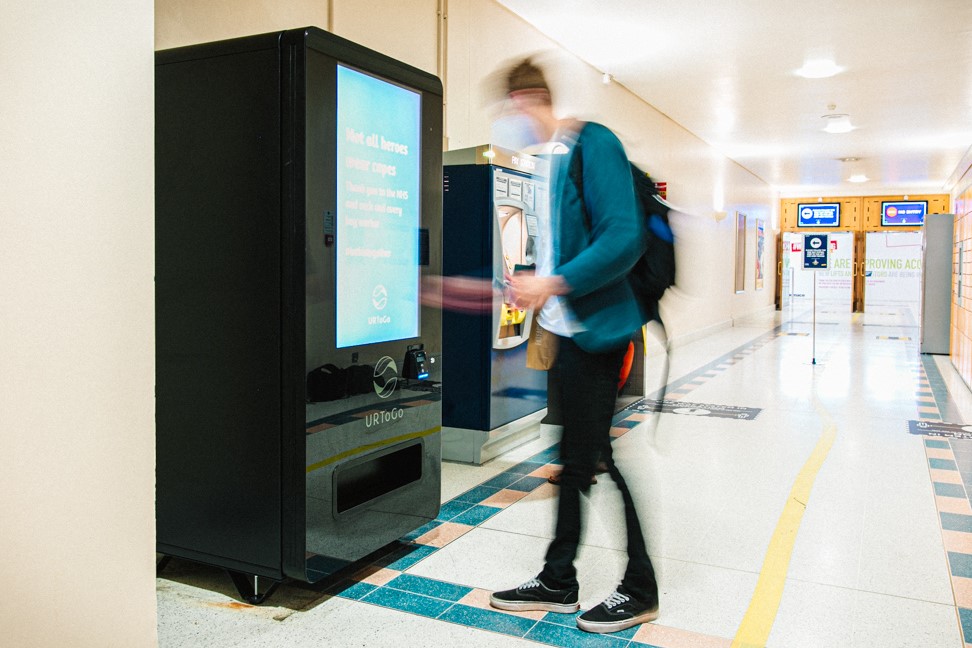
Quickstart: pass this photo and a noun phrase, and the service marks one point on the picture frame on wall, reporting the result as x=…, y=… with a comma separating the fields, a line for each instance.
x=760, y=250
x=740, y=281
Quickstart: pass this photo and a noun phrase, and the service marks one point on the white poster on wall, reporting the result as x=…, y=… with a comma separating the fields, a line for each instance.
x=835, y=285
x=892, y=270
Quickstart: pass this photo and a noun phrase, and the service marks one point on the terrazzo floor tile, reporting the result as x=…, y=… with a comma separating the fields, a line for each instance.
x=897, y=622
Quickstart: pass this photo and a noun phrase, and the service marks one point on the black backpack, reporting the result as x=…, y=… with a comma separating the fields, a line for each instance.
x=654, y=271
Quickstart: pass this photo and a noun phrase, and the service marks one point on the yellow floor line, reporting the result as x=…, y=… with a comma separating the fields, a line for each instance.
x=755, y=628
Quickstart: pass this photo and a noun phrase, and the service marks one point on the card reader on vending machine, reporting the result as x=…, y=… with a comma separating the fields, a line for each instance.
x=415, y=365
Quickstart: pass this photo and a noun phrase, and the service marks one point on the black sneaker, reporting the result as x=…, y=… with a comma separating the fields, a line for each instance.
x=617, y=612
x=534, y=595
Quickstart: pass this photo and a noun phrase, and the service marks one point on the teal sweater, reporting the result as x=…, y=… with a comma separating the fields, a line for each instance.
x=595, y=259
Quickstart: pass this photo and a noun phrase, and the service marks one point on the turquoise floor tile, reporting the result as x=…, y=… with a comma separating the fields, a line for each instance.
x=956, y=522
x=936, y=443
x=453, y=508
x=403, y=559
x=960, y=564
x=476, y=515
x=942, y=464
x=503, y=480
x=429, y=587
x=550, y=454
x=488, y=620
x=407, y=602
x=949, y=490
x=476, y=495
x=352, y=590
x=526, y=467
x=965, y=616
x=421, y=531
x=527, y=484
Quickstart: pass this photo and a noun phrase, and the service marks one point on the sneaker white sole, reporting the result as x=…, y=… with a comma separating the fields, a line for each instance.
x=533, y=606
x=616, y=626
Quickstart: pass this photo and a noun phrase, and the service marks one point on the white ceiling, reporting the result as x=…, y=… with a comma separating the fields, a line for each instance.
x=725, y=70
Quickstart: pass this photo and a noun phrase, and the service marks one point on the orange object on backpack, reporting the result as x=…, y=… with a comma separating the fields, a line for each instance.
x=626, y=366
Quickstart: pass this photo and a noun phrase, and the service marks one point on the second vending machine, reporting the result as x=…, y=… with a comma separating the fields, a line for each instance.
x=493, y=200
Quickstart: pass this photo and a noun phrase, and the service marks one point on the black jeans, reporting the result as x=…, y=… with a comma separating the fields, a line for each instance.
x=588, y=387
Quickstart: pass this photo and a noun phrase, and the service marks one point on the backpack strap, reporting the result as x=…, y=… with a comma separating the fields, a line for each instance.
x=575, y=172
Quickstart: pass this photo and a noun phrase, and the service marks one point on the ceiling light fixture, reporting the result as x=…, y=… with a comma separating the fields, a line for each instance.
x=819, y=69
x=858, y=177
x=837, y=123
x=606, y=78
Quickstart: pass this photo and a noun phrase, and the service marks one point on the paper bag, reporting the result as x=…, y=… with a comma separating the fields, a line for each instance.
x=541, y=347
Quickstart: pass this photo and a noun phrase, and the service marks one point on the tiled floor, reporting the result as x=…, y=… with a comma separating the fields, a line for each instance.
x=879, y=553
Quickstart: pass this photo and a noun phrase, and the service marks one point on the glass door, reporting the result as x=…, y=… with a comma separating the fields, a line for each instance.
x=892, y=277
x=834, y=286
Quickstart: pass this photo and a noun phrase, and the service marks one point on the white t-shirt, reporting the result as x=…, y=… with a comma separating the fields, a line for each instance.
x=555, y=316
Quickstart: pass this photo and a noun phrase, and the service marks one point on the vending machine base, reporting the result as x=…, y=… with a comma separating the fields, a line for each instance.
x=479, y=446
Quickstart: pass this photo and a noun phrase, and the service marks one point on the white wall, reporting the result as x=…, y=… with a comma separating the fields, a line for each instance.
x=403, y=30
x=77, y=445
x=187, y=22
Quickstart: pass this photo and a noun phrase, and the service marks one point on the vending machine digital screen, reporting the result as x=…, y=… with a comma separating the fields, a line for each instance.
x=378, y=191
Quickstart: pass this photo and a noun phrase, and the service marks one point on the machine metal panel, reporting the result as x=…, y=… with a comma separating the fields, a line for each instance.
x=936, y=283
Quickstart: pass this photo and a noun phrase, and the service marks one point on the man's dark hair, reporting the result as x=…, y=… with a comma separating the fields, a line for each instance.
x=526, y=76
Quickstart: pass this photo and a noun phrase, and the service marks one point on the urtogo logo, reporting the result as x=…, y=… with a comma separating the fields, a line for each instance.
x=379, y=297
x=386, y=377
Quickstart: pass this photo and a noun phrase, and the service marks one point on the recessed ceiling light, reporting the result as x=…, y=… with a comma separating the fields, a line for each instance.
x=819, y=69
x=838, y=123
x=858, y=177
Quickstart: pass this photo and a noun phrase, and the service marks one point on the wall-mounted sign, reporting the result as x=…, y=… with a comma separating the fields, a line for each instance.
x=903, y=213
x=760, y=248
x=818, y=215
x=815, y=251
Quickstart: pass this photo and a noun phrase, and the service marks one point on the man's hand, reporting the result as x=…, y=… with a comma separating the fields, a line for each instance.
x=530, y=291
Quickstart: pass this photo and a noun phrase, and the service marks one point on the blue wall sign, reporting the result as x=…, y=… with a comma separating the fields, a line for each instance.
x=818, y=215
x=815, y=251
x=904, y=213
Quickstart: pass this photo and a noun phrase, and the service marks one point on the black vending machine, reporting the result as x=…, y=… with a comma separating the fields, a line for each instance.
x=298, y=205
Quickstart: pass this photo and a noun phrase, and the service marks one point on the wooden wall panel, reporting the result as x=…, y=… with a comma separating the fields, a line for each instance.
x=850, y=213
x=937, y=204
x=961, y=333
x=859, y=213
